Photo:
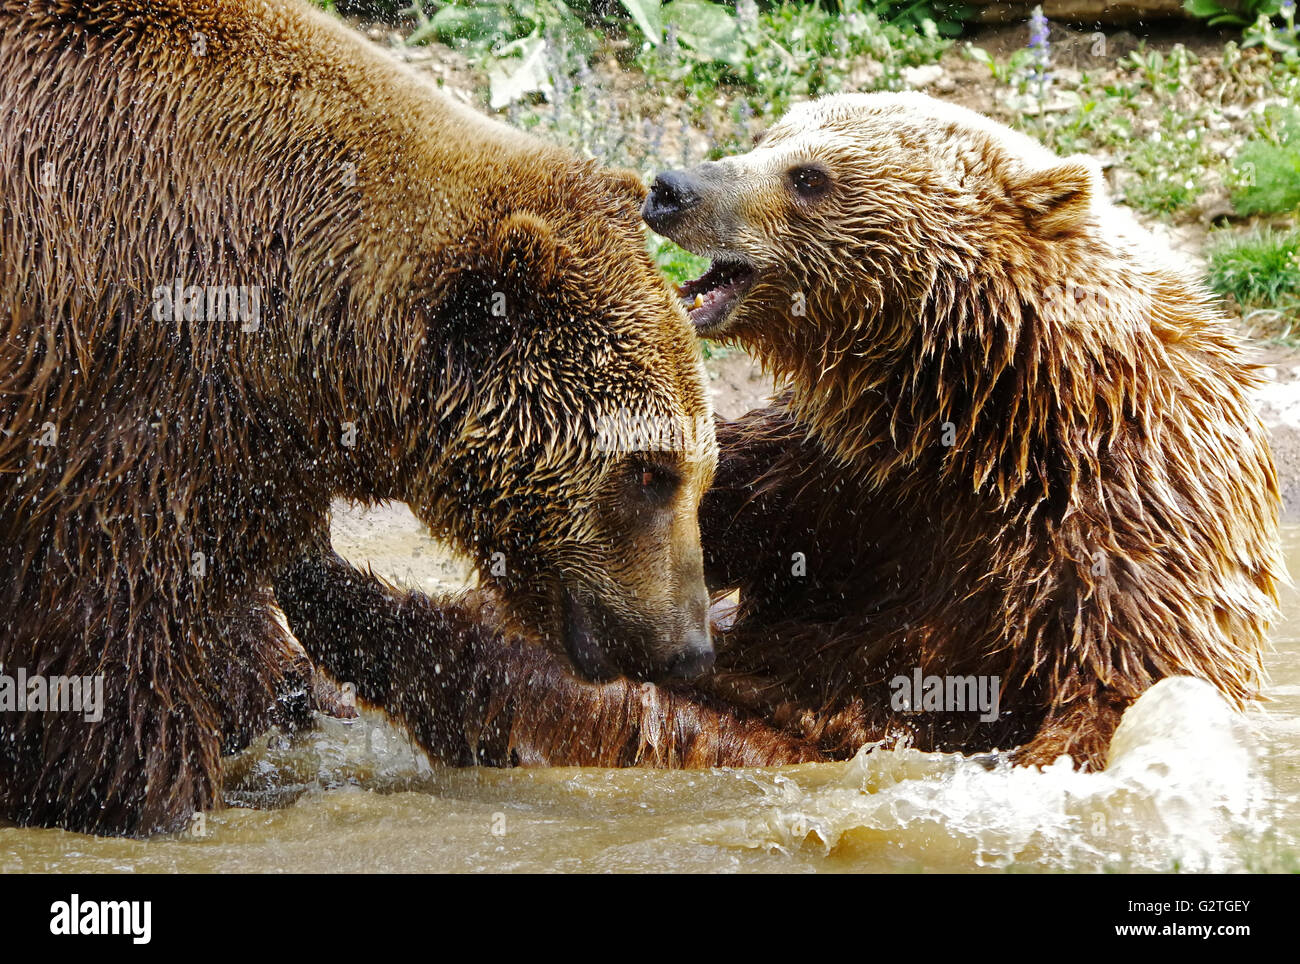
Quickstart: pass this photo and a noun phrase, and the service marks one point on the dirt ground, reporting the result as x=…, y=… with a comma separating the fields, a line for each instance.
x=388, y=539
x=1279, y=406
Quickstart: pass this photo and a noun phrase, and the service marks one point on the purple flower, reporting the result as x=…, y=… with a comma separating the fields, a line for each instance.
x=1041, y=53
x=1038, y=29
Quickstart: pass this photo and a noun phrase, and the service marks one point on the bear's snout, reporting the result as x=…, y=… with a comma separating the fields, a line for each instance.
x=602, y=645
x=672, y=195
x=694, y=659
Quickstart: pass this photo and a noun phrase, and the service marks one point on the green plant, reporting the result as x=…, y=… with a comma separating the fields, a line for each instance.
x=647, y=15
x=1160, y=72
x=1094, y=123
x=1266, y=171
x=1260, y=269
x=1234, y=13
x=462, y=25
x=949, y=17
x=1280, y=38
x=1005, y=72
x=1258, y=20
x=677, y=264
x=1170, y=167
x=508, y=40
x=786, y=51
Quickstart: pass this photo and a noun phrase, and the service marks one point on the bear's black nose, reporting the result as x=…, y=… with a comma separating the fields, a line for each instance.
x=671, y=196
x=693, y=661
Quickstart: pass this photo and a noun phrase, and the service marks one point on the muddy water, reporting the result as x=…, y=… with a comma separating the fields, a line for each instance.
x=1191, y=786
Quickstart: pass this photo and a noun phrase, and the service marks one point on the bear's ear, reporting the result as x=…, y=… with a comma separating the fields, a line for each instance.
x=627, y=182
x=514, y=268
x=523, y=249
x=1057, y=200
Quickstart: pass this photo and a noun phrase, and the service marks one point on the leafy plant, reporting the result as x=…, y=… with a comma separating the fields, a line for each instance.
x=1160, y=72
x=948, y=17
x=508, y=39
x=708, y=31
x=1233, y=13
x=1004, y=72
x=786, y=51
x=648, y=16
x=1281, y=38
x=1258, y=20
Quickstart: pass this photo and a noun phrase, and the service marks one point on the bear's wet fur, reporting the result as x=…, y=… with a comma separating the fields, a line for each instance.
x=1017, y=442
x=250, y=264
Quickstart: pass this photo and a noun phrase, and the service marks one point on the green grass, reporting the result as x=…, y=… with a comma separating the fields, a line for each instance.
x=1261, y=270
x=1266, y=171
x=677, y=264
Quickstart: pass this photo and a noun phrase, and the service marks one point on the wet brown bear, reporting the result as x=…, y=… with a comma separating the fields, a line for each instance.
x=248, y=264
x=1016, y=443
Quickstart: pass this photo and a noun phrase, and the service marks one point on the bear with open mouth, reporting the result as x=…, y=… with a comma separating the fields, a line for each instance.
x=1016, y=444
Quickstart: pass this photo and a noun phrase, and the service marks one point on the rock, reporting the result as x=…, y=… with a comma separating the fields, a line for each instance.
x=1082, y=11
x=1213, y=208
x=864, y=73
x=918, y=78
x=1067, y=78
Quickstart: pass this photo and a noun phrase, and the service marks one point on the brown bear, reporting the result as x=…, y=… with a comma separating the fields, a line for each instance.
x=1015, y=479
x=1016, y=459
x=249, y=264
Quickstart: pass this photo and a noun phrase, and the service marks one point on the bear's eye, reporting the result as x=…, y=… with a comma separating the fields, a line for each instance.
x=655, y=481
x=809, y=181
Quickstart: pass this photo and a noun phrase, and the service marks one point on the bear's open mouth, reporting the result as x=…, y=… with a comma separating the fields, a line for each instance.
x=710, y=298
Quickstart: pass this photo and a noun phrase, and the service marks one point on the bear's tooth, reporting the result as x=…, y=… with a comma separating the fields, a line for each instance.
x=698, y=302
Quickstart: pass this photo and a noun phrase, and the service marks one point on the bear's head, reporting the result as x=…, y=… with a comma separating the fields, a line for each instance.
x=860, y=205
x=573, y=440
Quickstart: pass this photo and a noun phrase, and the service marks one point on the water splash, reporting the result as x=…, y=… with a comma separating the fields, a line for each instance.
x=1183, y=791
